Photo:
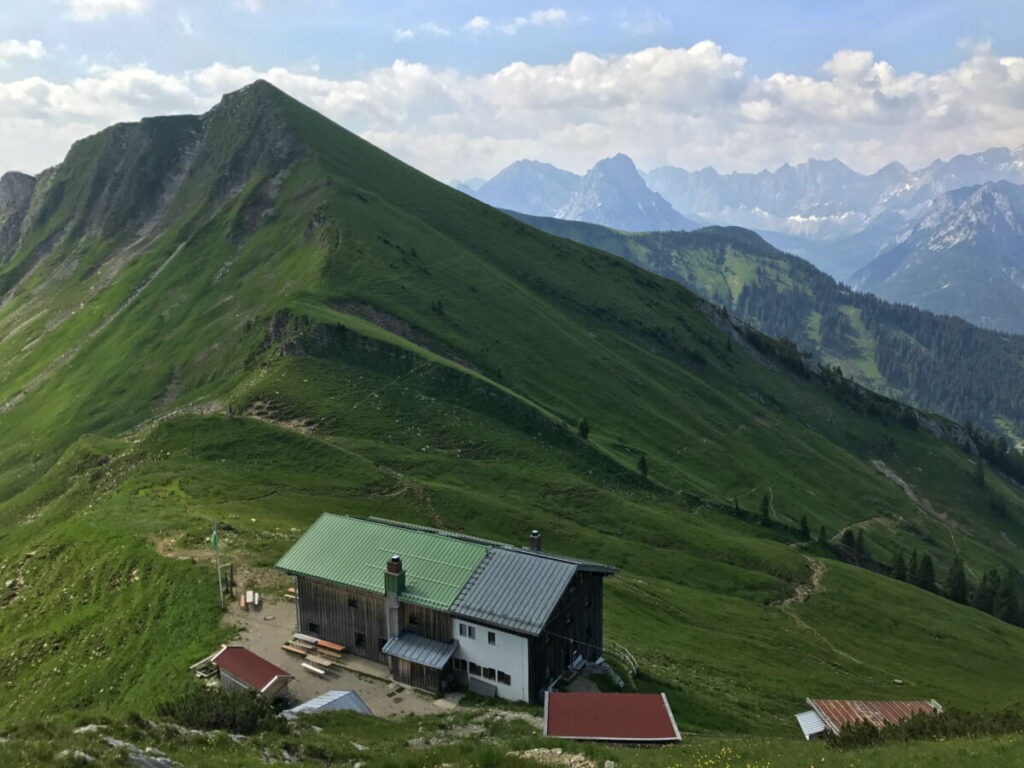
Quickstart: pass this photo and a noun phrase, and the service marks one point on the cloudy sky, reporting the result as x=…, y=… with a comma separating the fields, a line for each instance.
x=461, y=89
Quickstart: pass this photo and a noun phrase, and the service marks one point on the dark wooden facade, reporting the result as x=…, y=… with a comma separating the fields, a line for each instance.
x=351, y=617
x=417, y=675
x=574, y=629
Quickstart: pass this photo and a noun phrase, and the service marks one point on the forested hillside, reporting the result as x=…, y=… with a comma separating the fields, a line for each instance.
x=939, y=363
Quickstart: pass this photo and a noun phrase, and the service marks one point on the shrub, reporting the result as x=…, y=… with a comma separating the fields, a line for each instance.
x=216, y=709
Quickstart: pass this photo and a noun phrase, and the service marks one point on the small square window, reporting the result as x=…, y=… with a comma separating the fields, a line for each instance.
x=492, y=639
x=459, y=665
x=471, y=633
x=462, y=630
x=360, y=640
x=312, y=627
x=504, y=678
x=474, y=669
x=489, y=673
x=414, y=621
x=353, y=603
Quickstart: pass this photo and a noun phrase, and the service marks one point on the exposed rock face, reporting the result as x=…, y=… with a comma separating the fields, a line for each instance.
x=539, y=189
x=964, y=257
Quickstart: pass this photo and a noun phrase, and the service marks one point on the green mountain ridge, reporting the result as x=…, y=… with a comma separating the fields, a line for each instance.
x=928, y=360
x=255, y=316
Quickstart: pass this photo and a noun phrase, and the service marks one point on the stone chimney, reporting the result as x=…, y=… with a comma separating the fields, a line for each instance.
x=394, y=585
x=535, y=540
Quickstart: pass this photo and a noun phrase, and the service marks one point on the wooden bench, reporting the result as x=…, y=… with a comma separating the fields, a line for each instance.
x=305, y=638
x=320, y=660
x=328, y=653
x=313, y=669
x=293, y=649
x=330, y=646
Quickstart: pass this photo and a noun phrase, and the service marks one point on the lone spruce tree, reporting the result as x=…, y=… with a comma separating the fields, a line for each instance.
x=641, y=465
x=805, y=529
x=765, y=510
x=584, y=428
x=955, y=585
x=822, y=535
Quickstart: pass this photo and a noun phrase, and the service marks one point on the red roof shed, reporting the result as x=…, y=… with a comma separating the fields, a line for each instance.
x=610, y=717
x=839, y=713
x=244, y=667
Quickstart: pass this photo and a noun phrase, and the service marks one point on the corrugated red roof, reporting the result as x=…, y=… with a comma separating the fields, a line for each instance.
x=248, y=667
x=837, y=714
x=610, y=716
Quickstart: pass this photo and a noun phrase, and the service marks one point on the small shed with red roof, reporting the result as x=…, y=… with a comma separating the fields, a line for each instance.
x=832, y=715
x=242, y=670
x=624, y=717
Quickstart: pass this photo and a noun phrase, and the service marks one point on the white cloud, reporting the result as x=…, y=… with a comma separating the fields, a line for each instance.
x=185, y=23
x=96, y=10
x=19, y=49
x=477, y=24
x=426, y=28
x=252, y=6
x=647, y=25
x=690, y=107
x=551, y=16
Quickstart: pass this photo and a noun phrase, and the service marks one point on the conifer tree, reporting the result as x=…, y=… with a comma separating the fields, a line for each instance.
x=899, y=566
x=861, y=547
x=985, y=594
x=1006, y=606
x=765, y=510
x=805, y=529
x=924, y=577
x=584, y=428
x=912, y=567
x=955, y=585
x=641, y=465
x=822, y=535
x=849, y=540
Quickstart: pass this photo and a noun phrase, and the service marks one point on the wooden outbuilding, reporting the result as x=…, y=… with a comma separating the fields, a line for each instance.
x=242, y=670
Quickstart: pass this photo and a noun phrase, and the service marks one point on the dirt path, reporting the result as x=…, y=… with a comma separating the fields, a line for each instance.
x=812, y=586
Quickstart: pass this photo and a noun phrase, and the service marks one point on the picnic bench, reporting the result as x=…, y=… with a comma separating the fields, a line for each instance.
x=333, y=647
x=305, y=638
x=294, y=649
x=316, y=670
x=320, y=660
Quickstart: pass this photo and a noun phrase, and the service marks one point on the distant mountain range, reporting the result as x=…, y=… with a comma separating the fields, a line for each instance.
x=944, y=238
x=964, y=257
x=612, y=193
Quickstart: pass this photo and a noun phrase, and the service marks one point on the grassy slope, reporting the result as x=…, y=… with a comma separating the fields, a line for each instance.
x=371, y=423
x=786, y=296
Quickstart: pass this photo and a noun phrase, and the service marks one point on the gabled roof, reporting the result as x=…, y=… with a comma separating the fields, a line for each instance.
x=353, y=551
x=509, y=587
x=515, y=590
x=420, y=650
x=253, y=670
x=609, y=717
x=330, y=702
x=837, y=713
x=810, y=723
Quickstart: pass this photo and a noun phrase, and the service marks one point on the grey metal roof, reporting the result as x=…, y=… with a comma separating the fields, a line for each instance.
x=420, y=650
x=811, y=723
x=329, y=702
x=514, y=589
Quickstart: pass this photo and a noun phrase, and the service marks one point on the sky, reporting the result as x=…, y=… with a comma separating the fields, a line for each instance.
x=462, y=89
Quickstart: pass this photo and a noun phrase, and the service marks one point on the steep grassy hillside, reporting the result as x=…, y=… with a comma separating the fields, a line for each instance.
x=932, y=361
x=285, y=321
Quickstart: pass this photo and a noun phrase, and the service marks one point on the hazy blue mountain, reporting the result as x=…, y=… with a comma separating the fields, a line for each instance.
x=539, y=189
x=614, y=194
x=964, y=257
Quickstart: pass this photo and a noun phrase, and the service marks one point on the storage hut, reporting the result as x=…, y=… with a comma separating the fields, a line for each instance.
x=242, y=670
x=832, y=715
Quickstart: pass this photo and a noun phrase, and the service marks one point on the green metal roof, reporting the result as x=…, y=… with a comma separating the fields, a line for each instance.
x=354, y=552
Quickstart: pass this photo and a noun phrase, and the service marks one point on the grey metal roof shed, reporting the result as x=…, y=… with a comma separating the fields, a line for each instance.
x=420, y=650
x=330, y=702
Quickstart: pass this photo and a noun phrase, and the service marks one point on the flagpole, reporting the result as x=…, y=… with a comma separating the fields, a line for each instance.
x=216, y=550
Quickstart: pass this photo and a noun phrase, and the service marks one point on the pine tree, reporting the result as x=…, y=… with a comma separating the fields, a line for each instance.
x=955, y=585
x=822, y=535
x=912, y=567
x=985, y=594
x=805, y=529
x=765, y=510
x=860, y=546
x=584, y=428
x=924, y=576
x=899, y=566
x=1006, y=606
x=641, y=465
x=849, y=540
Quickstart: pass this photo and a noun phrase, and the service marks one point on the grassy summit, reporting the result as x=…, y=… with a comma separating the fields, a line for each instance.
x=256, y=316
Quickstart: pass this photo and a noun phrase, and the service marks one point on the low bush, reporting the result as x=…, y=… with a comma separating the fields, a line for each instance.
x=949, y=724
x=216, y=709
